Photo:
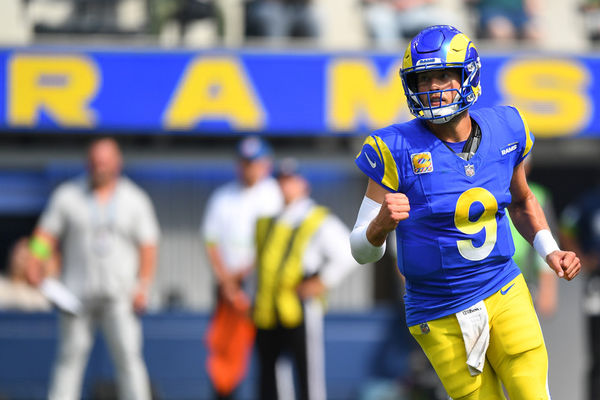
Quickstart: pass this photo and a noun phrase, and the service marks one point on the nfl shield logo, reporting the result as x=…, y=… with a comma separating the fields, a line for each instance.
x=424, y=328
x=470, y=169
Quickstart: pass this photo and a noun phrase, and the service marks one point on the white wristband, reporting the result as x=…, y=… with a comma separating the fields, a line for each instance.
x=544, y=243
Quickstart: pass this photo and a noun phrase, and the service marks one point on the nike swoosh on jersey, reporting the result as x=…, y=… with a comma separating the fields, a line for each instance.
x=503, y=292
x=373, y=164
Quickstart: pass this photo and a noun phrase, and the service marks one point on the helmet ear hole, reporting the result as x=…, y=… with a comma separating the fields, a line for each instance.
x=411, y=81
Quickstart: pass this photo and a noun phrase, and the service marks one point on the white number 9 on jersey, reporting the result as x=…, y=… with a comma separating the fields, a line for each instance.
x=487, y=221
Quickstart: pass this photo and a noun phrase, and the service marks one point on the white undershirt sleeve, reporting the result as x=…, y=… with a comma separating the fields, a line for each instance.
x=362, y=250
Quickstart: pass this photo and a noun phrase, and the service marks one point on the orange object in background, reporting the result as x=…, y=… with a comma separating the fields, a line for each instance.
x=229, y=340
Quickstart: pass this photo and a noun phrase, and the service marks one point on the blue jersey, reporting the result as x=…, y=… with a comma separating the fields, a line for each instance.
x=455, y=248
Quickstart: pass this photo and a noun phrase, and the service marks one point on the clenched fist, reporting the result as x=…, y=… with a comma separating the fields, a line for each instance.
x=566, y=264
x=395, y=208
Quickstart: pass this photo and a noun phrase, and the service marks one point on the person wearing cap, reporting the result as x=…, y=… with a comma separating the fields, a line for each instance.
x=301, y=253
x=228, y=231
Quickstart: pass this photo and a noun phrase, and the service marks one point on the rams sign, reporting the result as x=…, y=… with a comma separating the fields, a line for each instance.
x=277, y=93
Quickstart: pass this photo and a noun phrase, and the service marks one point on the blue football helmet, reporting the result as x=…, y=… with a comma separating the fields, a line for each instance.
x=441, y=47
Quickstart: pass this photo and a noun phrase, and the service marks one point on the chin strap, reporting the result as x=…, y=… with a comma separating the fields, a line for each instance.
x=472, y=143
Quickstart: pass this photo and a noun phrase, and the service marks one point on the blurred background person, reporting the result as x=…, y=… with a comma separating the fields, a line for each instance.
x=541, y=281
x=508, y=20
x=301, y=253
x=15, y=291
x=590, y=11
x=108, y=232
x=389, y=22
x=580, y=228
x=281, y=19
x=186, y=23
x=228, y=231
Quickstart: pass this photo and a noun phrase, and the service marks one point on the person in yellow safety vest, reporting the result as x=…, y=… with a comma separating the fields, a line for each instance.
x=228, y=231
x=301, y=252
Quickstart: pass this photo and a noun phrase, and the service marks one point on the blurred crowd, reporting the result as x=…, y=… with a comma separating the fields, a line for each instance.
x=329, y=24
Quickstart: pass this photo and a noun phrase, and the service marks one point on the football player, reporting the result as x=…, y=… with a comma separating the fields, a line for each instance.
x=444, y=181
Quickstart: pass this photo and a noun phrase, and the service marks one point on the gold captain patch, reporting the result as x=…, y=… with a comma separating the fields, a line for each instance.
x=422, y=163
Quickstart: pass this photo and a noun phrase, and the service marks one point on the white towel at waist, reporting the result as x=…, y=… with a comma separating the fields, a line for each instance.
x=476, y=334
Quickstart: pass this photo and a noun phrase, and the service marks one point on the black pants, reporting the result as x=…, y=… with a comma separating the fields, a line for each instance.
x=271, y=344
x=229, y=396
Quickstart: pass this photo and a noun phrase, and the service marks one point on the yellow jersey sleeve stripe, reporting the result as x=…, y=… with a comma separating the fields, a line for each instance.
x=528, y=140
x=390, y=175
x=371, y=142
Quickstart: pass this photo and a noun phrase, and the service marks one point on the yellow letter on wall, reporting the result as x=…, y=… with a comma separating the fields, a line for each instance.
x=550, y=93
x=62, y=86
x=214, y=89
x=356, y=94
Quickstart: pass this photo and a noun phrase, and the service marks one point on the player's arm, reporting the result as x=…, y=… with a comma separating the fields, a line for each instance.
x=528, y=217
x=546, y=299
x=525, y=211
x=394, y=208
x=379, y=214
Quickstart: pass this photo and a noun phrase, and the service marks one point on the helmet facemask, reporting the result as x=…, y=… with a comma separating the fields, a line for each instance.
x=435, y=111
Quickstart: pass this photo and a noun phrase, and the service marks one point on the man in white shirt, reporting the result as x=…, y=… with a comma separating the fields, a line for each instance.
x=228, y=230
x=107, y=231
x=301, y=253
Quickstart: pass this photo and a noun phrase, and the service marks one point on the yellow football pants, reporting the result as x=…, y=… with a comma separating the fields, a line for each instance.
x=516, y=356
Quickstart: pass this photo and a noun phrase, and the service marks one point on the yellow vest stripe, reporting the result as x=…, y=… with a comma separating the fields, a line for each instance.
x=280, y=271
